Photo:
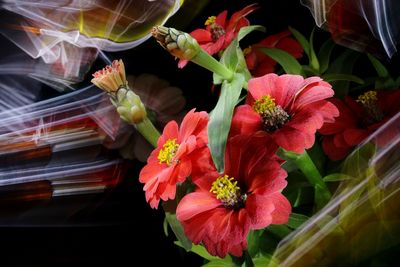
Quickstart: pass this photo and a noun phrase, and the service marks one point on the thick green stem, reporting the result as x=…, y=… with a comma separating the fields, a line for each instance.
x=149, y=132
x=310, y=171
x=206, y=61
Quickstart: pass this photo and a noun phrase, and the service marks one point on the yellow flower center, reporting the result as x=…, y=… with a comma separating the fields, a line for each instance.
x=168, y=151
x=264, y=104
x=368, y=98
x=227, y=190
x=210, y=20
x=273, y=115
x=369, y=101
x=247, y=51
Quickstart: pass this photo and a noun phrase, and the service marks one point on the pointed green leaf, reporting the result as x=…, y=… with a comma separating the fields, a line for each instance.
x=201, y=251
x=324, y=55
x=221, y=117
x=331, y=77
x=343, y=64
x=165, y=226
x=295, y=220
x=302, y=40
x=337, y=177
x=220, y=263
x=178, y=230
x=314, y=63
x=289, y=64
x=253, y=240
x=262, y=261
x=379, y=67
x=248, y=29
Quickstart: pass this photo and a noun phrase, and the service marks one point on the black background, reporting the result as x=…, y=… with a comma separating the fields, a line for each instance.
x=120, y=229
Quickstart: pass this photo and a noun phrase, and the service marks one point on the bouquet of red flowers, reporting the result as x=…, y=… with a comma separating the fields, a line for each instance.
x=235, y=180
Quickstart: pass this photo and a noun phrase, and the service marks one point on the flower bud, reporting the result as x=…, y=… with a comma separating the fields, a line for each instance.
x=179, y=44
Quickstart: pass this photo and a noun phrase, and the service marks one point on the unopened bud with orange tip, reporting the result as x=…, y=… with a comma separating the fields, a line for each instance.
x=131, y=109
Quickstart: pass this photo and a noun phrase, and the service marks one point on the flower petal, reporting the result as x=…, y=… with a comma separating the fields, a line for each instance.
x=245, y=121
x=195, y=203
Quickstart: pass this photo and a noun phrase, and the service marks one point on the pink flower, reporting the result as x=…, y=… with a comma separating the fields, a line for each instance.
x=288, y=108
x=170, y=162
x=225, y=207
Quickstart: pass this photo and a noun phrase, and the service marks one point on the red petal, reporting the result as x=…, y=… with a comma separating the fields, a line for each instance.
x=292, y=139
x=312, y=92
x=221, y=18
x=170, y=132
x=282, y=210
x=202, y=36
x=195, y=203
x=259, y=210
x=355, y=136
x=245, y=121
x=262, y=86
x=334, y=153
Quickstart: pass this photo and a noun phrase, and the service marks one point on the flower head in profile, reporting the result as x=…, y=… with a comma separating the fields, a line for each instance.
x=247, y=196
x=259, y=63
x=110, y=78
x=357, y=120
x=170, y=162
x=288, y=108
x=220, y=31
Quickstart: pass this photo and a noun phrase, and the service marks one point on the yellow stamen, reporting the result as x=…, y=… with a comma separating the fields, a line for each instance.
x=210, y=20
x=369, y=101
x=264, y=105
x=247, y=51
x=226, y=190
x=168, y=151
x=368, y=98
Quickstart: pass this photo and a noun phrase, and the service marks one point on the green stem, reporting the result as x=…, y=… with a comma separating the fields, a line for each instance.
x=203, y=59
x=247, y=259
x=310, y=171
x=149, y=132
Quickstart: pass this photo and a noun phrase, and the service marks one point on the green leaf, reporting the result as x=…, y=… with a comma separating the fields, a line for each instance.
x=343, y=64
x=248, y=29
x=253, y=240
x=248, y=261
x=220, y=263
x=202, y=252
x=262, y=261
x=314, y=63
x=337, y=177
x=280, y=230
x=324, y=55
x=178, y=230
x=295, y=220
x=221, y=117
x=331, y=77
x=322, y=196
x=165, y=226
x=302, y=40
x=289, y=64
x=379, y=67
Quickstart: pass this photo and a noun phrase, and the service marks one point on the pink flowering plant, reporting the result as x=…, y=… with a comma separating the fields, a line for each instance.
x=235, y=180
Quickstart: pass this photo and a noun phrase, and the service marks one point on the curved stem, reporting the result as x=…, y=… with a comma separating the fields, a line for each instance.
x=149, y=132
x=203, y=59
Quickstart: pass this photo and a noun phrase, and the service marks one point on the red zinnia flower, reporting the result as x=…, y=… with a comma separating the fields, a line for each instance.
x=259, y=63
x=357, y=120
x=289, y=108
x=225, y=207
x=220, y=32
x=170, y=163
